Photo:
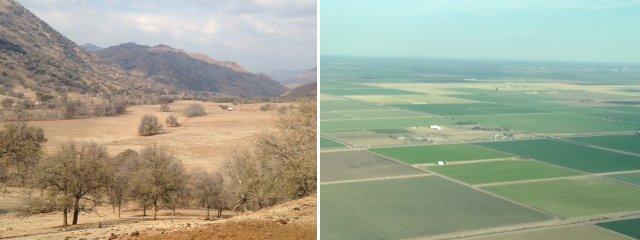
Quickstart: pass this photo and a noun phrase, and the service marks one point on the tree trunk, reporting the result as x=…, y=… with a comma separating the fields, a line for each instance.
x=155, y=211
x=219, y=212
x=119, y=207
x=65, y=212
x=144, y=210
x=174, y=209
x=76, y=211
x=207, y=213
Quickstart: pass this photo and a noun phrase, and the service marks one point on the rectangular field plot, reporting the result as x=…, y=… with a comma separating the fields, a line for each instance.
x=340, y=105
x=328, y=143
x=629, y=227
x=552, y=123
x=351, y=165
x=581, y=232
x=573, y=197
x=368, y=124
x=364, y=90
x=569, y=155
x=409, y=99
x=412, y=207
x=502, y=171
x=631, y=178
x=468, y=109
x=333, y=116
x=628, y=143
x=434, y=153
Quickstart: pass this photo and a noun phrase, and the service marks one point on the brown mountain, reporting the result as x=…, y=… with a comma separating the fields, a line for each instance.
x=36, y=56
x=305, y=77
x=178, y=68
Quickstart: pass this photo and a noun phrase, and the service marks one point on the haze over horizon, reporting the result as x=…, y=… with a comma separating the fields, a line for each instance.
x=260, y=35
x=533, y=30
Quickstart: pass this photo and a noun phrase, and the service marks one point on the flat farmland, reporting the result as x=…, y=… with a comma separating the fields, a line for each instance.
x=468, y=109
x=346, y=104
x=409, y=99
x=364, y=90
x=502, y=171
x=552, y=123
x=328, y=143
x=386, y=113
x=352, y=165
x=569, y=155
x=380, y=123
x=434, y=153
x=580, y=232
x=573, y=197
x=628, y=143
x=629, y=227
x=412, y=207
x=333, y=116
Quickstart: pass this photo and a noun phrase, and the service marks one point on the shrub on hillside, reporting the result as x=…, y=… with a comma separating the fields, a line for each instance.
x=195, y=110
x=149, y=126
x=172, y=121
x=164, y=108
x=110, y=108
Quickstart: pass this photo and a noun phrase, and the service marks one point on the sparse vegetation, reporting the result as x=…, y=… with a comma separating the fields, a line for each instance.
x=195, y=110
x=20, y=151
x=149, y=126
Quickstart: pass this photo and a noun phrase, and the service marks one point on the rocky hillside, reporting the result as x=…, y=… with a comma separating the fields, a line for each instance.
x=189, y=72
x=91, y=47
x=35, y=56
x=307, y=90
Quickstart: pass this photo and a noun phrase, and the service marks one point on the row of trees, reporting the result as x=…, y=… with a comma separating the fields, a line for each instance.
x=77, y=177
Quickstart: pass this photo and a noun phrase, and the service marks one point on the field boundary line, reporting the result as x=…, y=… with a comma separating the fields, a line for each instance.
x=596, y=146
x=588, y=175
x=378, y=179
x=343, y=114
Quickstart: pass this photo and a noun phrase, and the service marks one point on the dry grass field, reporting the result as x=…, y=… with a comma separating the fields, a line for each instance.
x=201, y=142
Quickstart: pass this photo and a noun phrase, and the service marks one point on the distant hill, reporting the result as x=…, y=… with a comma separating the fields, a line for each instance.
x=305, y=77
x=91, y=48
x=37, y=57
x=307, y=90
x=188, y=71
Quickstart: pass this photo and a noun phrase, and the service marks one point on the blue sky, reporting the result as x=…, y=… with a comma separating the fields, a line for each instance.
x=560, y=30
x=262, y=35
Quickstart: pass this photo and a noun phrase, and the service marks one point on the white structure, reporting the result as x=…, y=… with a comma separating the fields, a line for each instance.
x=436, y=127
x=441, y=163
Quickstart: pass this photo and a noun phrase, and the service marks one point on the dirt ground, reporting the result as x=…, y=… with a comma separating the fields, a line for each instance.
x=291, y=220
x=288, y=221
x=201, y=142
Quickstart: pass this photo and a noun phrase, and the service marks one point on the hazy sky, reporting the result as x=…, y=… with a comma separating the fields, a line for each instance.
x=562, y=30
x=262, y=35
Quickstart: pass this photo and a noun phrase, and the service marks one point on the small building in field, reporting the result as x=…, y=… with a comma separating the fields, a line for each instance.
x=436, y=127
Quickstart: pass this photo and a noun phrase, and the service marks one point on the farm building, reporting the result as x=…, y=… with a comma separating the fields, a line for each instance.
x=436, y=127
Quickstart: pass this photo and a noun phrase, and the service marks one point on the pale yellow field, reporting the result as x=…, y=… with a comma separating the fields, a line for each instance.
x=201, y=142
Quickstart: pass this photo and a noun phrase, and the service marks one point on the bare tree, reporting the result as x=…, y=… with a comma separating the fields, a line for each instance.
x=172, y=121
x=149, y=125
x=120, y=169
x=164, y=108
x=20, y=151
x=195, y=110
x=159, y=176
x=73, y=176
x=210, y=191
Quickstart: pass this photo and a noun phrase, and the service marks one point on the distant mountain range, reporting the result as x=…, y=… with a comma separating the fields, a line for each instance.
x=37, y=57
x=91, y=48
x=294, y=79
x=180, y=69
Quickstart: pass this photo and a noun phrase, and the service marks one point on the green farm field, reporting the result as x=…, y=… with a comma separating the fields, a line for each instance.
x=573, y=197
x=569, y=155
x=628, y=143
x=468, y=109
x=552, y=123
x=631, y=178
x=326, y=143
x=629, y=227
x=502, y=171
x=434, y=153
x=412, y=207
